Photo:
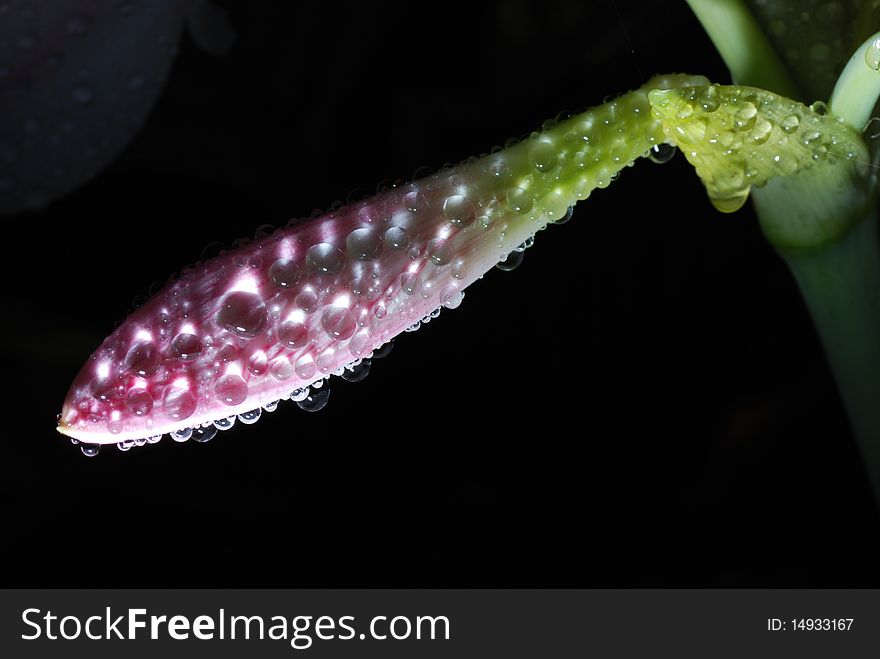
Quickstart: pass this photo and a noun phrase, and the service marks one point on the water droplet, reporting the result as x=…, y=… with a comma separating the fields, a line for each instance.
x=258, y=363
x=458, y=210
x=228, y=353
x=761, y=132
x=243, y=314
x=339, y=323
x=384, y=350
x=872, y=55
x=143, y=360
x=281, y=369
x=790, y=123
x=872, y=133
x=231, y=390
x=225, y=423
x=357, y=373
x=203, y=435
x=543, y=156
x=659, y=153
x=284, y=273
x=178, y=403
x=510, y=262
x=396, y=238
x=554, y=206
x=326, y=363
x=90, y=450
x=710, y=99
x=439, y=251
x=414, y=327
x=364, y=244
x=325, y=258
x=77, y=25
x=181, y=435
x=305, y=367
x=730, y=203
x=410, y=283
x=293, y=334
x=820, y=108
x=307, y=301
x=186, y=346
x=139, y=402
x=154, y=439
x=299, y=394
x=270, y=407
x=745, y=117
x=520, y=200
x=451, y=296
x=125, y=445
x=82, y=94
x=314, y=401
x=249, y=418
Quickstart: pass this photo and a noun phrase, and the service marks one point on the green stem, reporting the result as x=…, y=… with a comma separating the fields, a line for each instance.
x=743, y=45
x=840, y=283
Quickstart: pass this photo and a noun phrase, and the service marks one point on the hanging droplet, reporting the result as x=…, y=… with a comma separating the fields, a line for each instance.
x=181, y=435
x=203, y=435
x=90, y=450
x=154, y=439
x=315, y=401
x=731, y=202
x=872, y=128
x=299, y=394
x=357, y=373
x=271, y=407
x=568, y=215
x=659, y=153
x=383, y=350
x=125, y=445
x=510, y=262
x=872, y=55
x=225, y=423
x=250, y=417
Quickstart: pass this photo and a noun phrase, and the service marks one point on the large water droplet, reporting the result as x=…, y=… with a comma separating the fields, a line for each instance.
x=205, y=434
x=315, y=400
x=659, y=153
x=181, y=435
x=90, y=450
x=243, y=313
x=761, y=131
x=251, y=417
x=338, y=322
x=458, y=210
x=305, y=367
x=410, y=283
x=281, y=369
x=231, y=389
x=510, y=262
x=143, y=360
x=357, y=373
x=139, y=402
x=293, y=334
x=178, y=403
x=307, y=301
x=186, y=346
x=872, y=55
x=364, y=244
x=729, y=203
x=284, y=273
x=397, y=238
x=451, y=296
x=325, y=258
x=520, y=200
x=790, y=123
x=299, y=394
x=543, y=156
x=439, y=251
x=745, y=117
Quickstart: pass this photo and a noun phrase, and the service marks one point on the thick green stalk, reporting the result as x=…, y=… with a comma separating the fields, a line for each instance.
x=840, y=283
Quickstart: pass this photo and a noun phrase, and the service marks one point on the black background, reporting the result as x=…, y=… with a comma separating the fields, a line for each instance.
x=643, y=402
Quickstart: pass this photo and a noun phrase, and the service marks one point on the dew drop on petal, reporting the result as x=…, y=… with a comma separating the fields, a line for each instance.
x=284, y=273
x=293, y=334
x=186, y=346
x=139, y=402
x=143, y=360
x=339, y=323
x=364, y=244
x=397, y=238
x=325, y=258
x=178, y=403
x=231, y=390
x=243, y=314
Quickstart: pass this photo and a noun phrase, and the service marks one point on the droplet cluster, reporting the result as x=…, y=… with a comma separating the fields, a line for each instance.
x=273, y=317
x=738, y=137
